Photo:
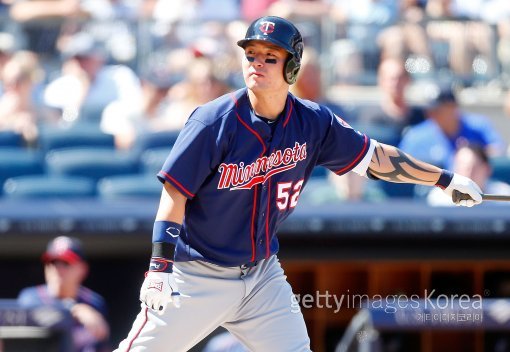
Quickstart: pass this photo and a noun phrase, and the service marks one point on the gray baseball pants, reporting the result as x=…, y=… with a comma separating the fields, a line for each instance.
x=254, y=304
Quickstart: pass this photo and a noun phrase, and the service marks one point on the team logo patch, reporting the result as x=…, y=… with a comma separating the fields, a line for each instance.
x=267, y=27
x=158, y=285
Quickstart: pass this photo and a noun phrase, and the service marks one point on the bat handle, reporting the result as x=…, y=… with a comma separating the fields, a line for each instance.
x=457, y=196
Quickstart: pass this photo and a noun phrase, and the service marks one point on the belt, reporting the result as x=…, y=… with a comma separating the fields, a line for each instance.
x=248, y=265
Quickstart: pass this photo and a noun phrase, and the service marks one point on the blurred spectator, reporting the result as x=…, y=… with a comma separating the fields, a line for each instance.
x=393, y=108
x=251, y=10
x=87, y=85
x=310, y=9
x=42, y=20
x=309, y=83
x=310, y=16
x=195, y=10
x=113, y=24
x=506, y=111
x=65, y=268
x=471, y=161
x=436, y=139
x=362, y=22
x=469, y=41
x=6, y=51
x=200, y=85
x=18, y=110
x=126, y=123
x=407, y=39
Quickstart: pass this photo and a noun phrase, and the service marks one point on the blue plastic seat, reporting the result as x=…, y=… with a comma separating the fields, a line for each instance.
x=501, y=169
x=79, y=135
x=129, y=186
x=152, y=160
x=49, y=186
x=319, y=172
x=19, y=161
x=94, y=163
x=11, y=139
x=163, y=139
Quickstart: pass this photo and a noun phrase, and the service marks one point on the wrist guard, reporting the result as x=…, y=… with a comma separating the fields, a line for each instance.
x=445, y=179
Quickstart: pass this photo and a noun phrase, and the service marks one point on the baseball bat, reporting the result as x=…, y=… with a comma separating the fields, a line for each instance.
x=457, y=196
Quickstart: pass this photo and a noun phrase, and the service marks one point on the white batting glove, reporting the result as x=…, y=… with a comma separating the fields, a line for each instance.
x=470, y=195
x=158, y=289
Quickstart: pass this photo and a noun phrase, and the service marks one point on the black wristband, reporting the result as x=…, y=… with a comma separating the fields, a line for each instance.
x=163, y=250
x=445, y=179
x=162, y=257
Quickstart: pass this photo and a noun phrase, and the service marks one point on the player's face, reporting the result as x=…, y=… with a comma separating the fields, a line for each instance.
x=61, y=275
x=263, y=66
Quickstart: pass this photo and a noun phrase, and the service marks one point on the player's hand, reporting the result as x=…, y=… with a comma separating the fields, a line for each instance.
x=92, y=320
x=158, y=289
x=471, y=194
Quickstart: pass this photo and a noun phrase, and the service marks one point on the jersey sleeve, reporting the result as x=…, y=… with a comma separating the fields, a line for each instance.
x=191, y=159
x=344, y=149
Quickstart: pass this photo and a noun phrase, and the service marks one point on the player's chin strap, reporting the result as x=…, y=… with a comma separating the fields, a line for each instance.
x=164, y=239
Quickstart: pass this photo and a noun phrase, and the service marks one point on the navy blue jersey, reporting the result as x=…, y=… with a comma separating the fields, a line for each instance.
x=36, y=296
x=242, y=178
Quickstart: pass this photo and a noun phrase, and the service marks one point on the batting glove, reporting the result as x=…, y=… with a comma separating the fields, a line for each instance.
x=470, y=193
x=159, y=288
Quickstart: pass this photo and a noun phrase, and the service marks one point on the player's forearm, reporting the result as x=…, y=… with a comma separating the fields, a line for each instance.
x=167, y=228
x=393, y=165
x=172, y=205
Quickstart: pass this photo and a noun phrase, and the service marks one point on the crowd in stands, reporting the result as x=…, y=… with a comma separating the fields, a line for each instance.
x=94, y=92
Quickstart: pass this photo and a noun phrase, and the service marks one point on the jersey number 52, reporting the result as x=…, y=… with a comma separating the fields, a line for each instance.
x=288, y=194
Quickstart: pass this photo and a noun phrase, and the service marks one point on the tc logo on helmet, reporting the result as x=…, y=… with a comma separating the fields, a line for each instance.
x=266, y=27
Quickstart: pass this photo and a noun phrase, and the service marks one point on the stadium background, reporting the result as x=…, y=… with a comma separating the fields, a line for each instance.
x=383, y=246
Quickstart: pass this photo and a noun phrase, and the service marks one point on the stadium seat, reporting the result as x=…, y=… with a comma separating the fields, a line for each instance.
x=319, y=172
x=79, y=135
x=153, y=159
x=10, y=139
x=397, y=190
x=48, y=186
x=129, y=186
x=501, y=169
x=163, y=139
x=94, y=163
x=19, y=161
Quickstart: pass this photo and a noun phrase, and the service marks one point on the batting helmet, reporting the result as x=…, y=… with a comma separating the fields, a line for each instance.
x=280, y=32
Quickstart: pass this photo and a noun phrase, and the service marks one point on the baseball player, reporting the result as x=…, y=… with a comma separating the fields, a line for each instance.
x=234, y=174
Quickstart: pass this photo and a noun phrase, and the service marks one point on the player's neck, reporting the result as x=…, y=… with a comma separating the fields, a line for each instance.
x=268, y=105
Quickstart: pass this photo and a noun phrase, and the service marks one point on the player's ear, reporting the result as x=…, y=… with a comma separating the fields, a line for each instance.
x=83, y=270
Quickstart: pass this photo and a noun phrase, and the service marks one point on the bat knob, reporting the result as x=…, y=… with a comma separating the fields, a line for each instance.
x=457, y=196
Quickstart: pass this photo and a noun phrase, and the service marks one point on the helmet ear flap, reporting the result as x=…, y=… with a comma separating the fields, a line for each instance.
x=292, y=67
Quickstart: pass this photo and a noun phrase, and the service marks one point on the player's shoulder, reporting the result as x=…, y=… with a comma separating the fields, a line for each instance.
x=32, y=295
x=86, y=295
x=305, y=104
x=311, y=108
x=313, y=111
x=220, y=108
